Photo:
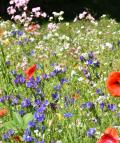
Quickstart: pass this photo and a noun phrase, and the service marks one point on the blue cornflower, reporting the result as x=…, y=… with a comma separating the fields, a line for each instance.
x=37, y=102
x=2, y=99
x=91, y=55
x=89, y=62
x=14, y=101
x=4, y=136
x=55, y=96
x=82, y=58
x=38, y=79
x=28, y=138
x=57, y=87
x=20, y=33
x=98, y=91
x=63, y=80
x=39, y=117
x=21, y=112
x=11, y=132
x=119, y=44
x=46, y=102
x=38, y=90
x=22, y=79
x=19, y=43
x=52, y=74
x=67, y=115
x=89, y=105
x=14, y=33
x=111, y=107
x=7, y=63
x=96, y=64
x=91, y=132
x=26, y=103
x=31, y=124
x=29, y=84
x=45, y=76
x=102, y=105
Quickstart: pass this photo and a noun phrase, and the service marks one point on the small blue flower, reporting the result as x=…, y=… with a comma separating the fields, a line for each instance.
x=89, y=62
x=26, y=103
x=55, y=96
x=4, y=136
x=11, y=132
x=102, y=105
x=39, y=117
x=21, y=112
x=112, y=107
x=57, y=87
x=31, y=124
x=91, y=132
x=20, y=33
x=67, y=115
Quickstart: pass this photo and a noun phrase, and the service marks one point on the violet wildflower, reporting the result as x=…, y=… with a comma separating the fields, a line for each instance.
x=21, y=112
x=102, y=105
x=91, y=132
x=67, y=115
x=111, y=107
x=4, y=136
x=26, y=103
x=11, y=132
x=55, y=96
x=31, y=124
x=39, y=117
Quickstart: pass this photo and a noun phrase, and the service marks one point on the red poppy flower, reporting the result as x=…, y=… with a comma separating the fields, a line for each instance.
x=113, y=83
x=3, y=112
x=110, y=136
x=30, y=71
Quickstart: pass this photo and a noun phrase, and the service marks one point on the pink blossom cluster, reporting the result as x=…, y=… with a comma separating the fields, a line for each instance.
x=19, y=12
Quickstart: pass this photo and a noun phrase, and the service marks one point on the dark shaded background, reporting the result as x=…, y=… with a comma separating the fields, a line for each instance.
x=72, y=7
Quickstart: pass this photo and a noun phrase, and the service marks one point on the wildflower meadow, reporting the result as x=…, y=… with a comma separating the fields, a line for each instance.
x=59, y=81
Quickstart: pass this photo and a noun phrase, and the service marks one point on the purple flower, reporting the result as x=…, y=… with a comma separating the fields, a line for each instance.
x=89, y=105
x=63, y=80
x=20, y=33
x=37, y=102
x=102, y=105
x=67, y=115
x=39, y=117
x=26, y=103
x=89, y=62
x=91, y=132
x=38, y=79
x=38, y=90
x=119, y=44
x=91, y=55
x=4, y=136
x=7, y=63
x=82, y=58
x=98, y=91
x=14, y=101
x=10, y=132
x=45, y=76
x=55, y=96
x=111, y=107
x=31, y=124
x=57, y=87
x=52, y=74
x=29, y=84
x=21, y=112
x=28, y=138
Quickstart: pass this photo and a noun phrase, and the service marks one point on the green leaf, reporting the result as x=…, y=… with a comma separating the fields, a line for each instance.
x=18, y=119
x=9, y=125
x=26, y=118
